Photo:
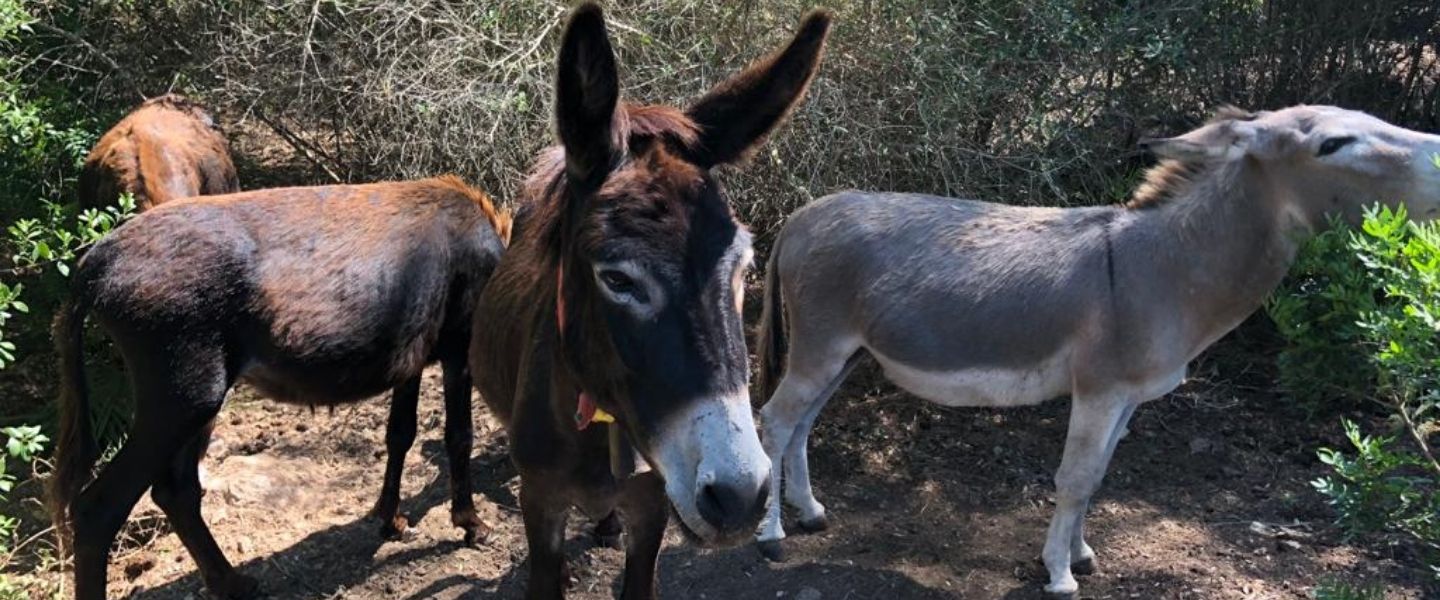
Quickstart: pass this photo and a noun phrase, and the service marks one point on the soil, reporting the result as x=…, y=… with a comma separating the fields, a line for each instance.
x=1206, y=498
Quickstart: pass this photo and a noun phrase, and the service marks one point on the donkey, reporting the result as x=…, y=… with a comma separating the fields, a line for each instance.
x=319, y=295
x=167, y=148
x=622, y=292
x=967, y=303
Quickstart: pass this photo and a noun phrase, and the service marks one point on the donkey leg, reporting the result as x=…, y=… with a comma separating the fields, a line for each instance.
x=399, y=436
x=797, y=400
x=459, y=441
x=646, y=514
x=102, y=507
x=544, y=514
x=1093, y=423
x=178, y=493
x=178, y=390
x=1082, y=557
x=779, y=419
x=798, y=492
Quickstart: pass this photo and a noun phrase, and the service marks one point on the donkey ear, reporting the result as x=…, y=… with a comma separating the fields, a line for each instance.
x=737, y=114
x=1214, y=141
x=587, y=90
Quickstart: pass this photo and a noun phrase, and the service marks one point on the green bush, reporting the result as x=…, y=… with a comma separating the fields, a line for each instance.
x=22, y=445
x=1339, y=590
x=1362, y=320
x=45, y=133
x=1317, y=311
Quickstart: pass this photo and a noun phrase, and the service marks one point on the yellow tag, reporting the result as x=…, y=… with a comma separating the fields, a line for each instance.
x=602, y=417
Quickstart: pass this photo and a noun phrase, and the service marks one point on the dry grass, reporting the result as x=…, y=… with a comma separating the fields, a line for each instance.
x=1023, y=102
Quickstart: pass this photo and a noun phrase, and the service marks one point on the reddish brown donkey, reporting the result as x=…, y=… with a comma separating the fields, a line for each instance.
x=621, y=299
x=167, y=148
x=317, y=295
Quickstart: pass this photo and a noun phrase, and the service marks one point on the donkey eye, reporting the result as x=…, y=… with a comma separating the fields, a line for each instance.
x=1333, y=144
x=618, y=282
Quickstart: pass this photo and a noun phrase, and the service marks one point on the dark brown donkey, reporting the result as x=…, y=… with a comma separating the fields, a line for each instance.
x=621, y=297
x=167, y=148
x=318, y=295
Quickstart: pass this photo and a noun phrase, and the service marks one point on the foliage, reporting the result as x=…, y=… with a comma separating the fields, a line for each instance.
x=1037, y=102
x=1379, y=488
x=45, y=133
x=1378, y=346
x=1317, y=311
x=22, y=445
x=50, y=242
x=1339, y=590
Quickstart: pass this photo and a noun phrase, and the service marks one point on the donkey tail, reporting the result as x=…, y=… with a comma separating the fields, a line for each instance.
x=772, y=337
x=75, y=450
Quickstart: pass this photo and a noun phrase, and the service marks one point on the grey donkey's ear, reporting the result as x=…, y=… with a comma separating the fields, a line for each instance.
x=1230, y=134
x=1214, y=141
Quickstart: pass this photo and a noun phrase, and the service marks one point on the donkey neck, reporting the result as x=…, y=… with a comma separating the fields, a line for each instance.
x=1223, y=244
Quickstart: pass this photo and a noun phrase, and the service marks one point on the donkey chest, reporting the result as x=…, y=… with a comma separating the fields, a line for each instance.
x=984, y=385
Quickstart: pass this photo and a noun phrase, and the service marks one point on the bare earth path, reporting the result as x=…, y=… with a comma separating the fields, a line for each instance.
x=1207, y=498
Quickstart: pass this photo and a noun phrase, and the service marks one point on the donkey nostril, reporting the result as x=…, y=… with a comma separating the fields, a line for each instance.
x=712, y=505
x=730, y=507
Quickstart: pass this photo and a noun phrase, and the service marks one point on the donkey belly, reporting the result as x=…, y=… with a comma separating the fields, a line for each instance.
x=984, y=386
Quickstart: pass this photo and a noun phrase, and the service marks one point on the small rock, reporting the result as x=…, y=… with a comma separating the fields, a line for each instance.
x=808, y=593
x=1290, y=545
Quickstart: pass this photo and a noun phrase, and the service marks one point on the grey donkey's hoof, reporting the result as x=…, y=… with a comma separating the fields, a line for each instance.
x=815, y=525
x=1083, y=567
x=771, y=550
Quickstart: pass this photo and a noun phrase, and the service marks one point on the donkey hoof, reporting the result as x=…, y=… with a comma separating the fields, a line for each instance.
x=1084, y=566
x=237, y=587
x=1066, y=591
x=476, y=531
x=814, y=525
x=771, y=550
x=477, y=534
x=395, y=528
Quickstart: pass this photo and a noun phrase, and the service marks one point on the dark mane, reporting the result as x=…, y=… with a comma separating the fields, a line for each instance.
x=1172, y=178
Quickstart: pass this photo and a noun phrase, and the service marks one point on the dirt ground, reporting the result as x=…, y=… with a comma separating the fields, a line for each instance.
x=1207, y=498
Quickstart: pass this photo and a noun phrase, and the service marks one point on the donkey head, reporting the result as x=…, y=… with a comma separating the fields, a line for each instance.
x=1325, y=161
x=651, y=263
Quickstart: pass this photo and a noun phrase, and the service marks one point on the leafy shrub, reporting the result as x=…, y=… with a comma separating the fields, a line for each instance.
x=22, y=445
x=1339, y=590
x=1372, y=298
x=1380, y=487
x=1317, y=311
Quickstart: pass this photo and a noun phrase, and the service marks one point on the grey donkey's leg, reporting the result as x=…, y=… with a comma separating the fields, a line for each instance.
x=798, y=492
x=1082, y=557
x=1094, y=423
x=786, y=420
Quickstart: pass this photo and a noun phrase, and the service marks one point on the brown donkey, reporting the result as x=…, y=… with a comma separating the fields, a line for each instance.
x=622, y=297
x=167, y=148
x=318, y=295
